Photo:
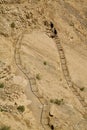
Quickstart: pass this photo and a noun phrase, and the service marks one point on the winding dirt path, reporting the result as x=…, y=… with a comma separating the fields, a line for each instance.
x=39, y=105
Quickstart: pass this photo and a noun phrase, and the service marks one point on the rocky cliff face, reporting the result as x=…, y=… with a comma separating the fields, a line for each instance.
x=43, y=82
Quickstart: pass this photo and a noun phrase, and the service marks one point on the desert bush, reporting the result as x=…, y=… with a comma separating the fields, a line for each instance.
x=3, y=110
x=38, y=76
x=45, y=63
x=46, y=23
x=71, y=23
x=21, y=108
x=57, y=101
x=82, y=89
x=12, y=25
x=1, y=85
x=4, y=128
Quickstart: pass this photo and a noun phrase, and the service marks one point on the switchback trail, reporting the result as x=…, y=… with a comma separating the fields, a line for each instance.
x=40, y=106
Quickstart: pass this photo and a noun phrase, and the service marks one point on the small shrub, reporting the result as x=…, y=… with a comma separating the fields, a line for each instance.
x=51, y=100
x=21, y=108
x=45, y=63
x=38, y=76
x=82, y=89
x=27, y=16
x=3, y=110
x=4, y=128
x=71, y=23
x=46, y=23
x=12, y=25
x=57, y=101
x=1, y=85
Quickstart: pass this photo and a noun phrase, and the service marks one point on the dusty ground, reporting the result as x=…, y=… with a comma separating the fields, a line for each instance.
x=40, y=59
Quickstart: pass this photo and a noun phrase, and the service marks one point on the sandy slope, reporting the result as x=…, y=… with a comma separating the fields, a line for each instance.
x=39, y=56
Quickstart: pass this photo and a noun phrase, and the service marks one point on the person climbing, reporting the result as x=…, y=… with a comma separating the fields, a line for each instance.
x=52, y=127
x=51, y=24
x=55, y=31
